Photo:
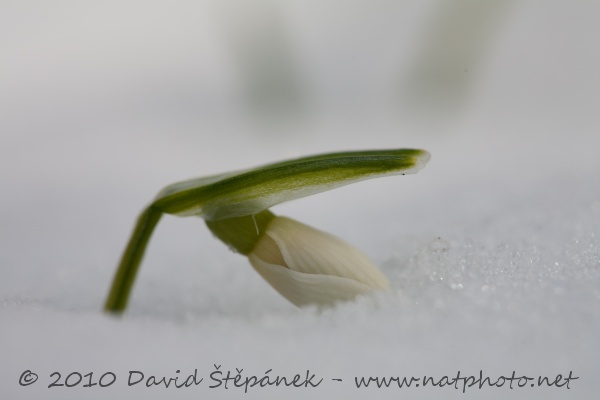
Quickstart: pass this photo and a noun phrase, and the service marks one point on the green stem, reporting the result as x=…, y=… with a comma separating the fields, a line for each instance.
x=130, y=262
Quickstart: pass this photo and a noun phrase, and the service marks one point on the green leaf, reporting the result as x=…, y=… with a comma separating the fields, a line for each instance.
x=249, y=192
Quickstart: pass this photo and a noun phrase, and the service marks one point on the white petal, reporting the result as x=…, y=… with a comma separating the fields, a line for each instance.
x=308, y=266
x=311, y=251
x=303, y=289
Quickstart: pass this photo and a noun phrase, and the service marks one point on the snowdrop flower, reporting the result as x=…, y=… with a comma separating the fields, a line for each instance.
x=305, y=265
x=308, y=266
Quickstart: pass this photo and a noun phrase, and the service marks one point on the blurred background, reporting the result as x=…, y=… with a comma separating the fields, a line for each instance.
x=104, y=103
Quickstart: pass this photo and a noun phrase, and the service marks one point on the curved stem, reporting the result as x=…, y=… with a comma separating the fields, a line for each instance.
x=130, y=261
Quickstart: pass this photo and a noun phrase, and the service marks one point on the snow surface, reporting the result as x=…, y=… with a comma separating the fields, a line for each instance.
x=492, y=250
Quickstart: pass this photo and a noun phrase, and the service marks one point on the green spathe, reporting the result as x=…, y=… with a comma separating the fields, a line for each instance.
x=249, y=193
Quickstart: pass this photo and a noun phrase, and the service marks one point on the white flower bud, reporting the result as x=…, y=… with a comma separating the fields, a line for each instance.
x=308, y=266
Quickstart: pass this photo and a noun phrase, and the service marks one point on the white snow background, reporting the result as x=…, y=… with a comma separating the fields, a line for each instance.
x=492, y=250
